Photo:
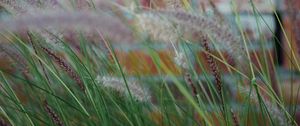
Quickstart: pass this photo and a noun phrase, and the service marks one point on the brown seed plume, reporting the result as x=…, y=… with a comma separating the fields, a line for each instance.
x=213, y=66
x=52, y=114
x=30, y=38
x=63, y=65
x=188, y=80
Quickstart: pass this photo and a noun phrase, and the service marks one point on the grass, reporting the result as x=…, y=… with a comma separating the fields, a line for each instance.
x=84, y=76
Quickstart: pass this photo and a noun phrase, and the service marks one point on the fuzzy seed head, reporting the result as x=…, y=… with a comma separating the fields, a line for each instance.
x=158, y=28
x=118, y=85
x=181, y=60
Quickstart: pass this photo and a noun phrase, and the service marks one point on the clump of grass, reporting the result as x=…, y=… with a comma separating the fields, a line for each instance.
x=170, y=26
x=99, y=74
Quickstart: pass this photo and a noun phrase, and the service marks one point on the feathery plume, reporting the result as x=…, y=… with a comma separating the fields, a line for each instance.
x=110, y=26
x=181, y=60
x=158, y=28
x=63, y=65
x=187, y=25
x=193, y=28
x=222, y=34
x=138, y=92
x=189, y=81
x=213, y=66
x=52, y=114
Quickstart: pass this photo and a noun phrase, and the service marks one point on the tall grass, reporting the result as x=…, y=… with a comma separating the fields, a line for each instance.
x=69, y=66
